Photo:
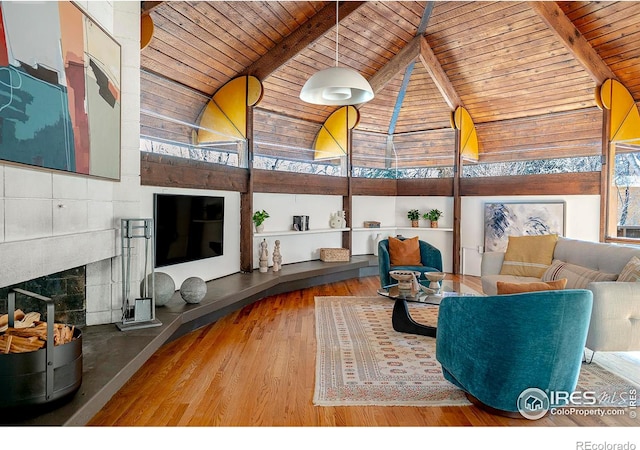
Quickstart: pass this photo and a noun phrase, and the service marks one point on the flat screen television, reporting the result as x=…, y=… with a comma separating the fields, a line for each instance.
x=188, y=228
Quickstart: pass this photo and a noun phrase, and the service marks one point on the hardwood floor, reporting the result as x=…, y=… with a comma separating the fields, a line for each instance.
x=256, y=367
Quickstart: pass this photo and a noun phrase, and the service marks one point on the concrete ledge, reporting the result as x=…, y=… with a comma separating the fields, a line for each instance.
x=111, y=357
x=53, y=254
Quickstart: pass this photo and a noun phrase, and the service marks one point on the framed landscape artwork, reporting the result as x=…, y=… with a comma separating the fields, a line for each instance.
x=502, y=220
x=59, y=89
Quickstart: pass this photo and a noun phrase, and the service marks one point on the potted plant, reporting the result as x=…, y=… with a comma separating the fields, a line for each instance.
x=433, y=215
x=258, y=219
x=414, y=217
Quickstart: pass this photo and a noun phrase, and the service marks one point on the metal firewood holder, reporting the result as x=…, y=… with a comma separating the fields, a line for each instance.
x=44, y=375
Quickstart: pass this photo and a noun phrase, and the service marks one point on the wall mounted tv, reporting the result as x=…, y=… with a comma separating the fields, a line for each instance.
x=188, y=228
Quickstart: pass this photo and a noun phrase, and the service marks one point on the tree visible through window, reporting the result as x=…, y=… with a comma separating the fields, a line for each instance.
x=626, y=193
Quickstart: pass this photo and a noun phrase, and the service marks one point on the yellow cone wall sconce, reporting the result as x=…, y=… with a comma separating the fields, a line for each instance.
x=461, y=120
x=225, y=116
x=146, y=30
x=625, y=118
x=333, y=138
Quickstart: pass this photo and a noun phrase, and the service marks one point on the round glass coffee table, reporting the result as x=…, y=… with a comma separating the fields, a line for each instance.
x=401, y=318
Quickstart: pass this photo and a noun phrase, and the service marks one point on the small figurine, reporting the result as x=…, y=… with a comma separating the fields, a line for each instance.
x=277, y=257
x=264, y=256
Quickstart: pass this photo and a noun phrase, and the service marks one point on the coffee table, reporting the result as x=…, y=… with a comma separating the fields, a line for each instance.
x=401, y=318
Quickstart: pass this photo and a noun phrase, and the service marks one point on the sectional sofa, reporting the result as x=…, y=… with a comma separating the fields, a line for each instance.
x=615, y=318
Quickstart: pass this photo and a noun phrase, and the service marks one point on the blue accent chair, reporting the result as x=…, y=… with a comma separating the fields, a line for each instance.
x=495, y=347
x=430, y=257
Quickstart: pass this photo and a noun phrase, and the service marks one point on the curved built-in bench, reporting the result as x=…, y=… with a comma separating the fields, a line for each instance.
x=111, y=356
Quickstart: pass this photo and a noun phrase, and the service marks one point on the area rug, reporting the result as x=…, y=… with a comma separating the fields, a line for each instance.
x=362, y=361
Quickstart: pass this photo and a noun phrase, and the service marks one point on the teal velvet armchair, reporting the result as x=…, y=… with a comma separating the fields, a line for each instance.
x=430, y=257
x=496, y=347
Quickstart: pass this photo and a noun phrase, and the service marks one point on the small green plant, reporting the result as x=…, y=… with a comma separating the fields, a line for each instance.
x=259, y=217
x=433, y=215
x=413, y=214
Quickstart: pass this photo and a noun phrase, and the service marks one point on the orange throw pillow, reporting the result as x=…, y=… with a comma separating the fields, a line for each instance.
x=404, y=253
x=517, y=288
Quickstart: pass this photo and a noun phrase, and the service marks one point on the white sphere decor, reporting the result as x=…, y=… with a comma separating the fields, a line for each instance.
x=163, y=289
x=193, y=290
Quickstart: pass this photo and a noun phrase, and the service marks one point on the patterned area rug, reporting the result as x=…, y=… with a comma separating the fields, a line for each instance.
x=361, y=360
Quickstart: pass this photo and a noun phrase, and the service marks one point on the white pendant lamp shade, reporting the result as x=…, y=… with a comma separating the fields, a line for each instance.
x=337, y=86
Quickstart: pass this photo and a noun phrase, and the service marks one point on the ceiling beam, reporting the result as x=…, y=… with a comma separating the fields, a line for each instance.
x=573, y=40
x=303, y=36
x=397, y=64
x=438, y=75
x=400, y=98
x=146, y=7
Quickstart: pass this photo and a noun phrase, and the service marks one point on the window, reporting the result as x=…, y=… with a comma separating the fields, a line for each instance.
x=624, y=194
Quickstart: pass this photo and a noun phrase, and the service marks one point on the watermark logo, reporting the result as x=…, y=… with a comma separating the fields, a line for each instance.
x=533, y=403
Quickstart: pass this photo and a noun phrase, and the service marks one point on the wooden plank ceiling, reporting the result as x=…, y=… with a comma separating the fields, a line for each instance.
x=527, y=89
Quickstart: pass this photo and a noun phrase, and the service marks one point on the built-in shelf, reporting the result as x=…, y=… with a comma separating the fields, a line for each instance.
x=291, y=232
x=335, y=230
x=402, y=228
x=424, y=228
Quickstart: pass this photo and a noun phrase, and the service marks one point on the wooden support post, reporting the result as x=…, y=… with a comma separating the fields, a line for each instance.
x=457, y=207
x=347, y=200
x=246, y=203
x=606, y=175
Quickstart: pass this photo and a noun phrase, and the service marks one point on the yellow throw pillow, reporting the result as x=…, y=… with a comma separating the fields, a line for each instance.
x=517, y=288
x=529, y=256
x=404, y=253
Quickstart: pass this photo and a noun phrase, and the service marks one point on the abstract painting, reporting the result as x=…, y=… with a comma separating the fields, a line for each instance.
x=502, y=220
x=59, y=89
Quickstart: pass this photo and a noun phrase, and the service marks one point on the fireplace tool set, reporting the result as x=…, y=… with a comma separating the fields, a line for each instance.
x=138, y=312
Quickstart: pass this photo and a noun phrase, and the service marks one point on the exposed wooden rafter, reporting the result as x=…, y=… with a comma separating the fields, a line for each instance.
x=147, y=7
x=438, y=75
x=397, y=64
x=573, y=40
x=302, y=37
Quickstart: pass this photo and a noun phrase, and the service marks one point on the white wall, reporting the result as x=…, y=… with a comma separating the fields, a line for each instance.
x=391, y=212
x=302, y=245
x=209, y=268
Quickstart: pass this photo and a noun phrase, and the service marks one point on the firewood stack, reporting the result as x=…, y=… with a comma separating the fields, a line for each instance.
x=29, y=333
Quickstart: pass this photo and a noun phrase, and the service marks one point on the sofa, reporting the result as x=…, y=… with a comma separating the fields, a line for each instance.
x=615, y=317
x=517, y=342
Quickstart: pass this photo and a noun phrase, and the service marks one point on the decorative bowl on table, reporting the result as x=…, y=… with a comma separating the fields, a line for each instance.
x=407, y=279
x=428, y=290
x=435, y=278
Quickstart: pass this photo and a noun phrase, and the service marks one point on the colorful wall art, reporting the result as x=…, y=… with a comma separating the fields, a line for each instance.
x=502, y=220
x=59, y=89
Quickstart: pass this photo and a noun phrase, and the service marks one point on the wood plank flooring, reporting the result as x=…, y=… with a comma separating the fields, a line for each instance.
x=256, y=367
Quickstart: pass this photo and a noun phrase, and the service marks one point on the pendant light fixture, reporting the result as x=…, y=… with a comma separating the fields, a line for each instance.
x=337, y=86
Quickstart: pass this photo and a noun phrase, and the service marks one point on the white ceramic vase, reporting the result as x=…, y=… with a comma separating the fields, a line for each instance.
x=376, y=241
